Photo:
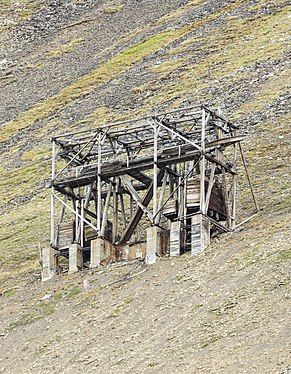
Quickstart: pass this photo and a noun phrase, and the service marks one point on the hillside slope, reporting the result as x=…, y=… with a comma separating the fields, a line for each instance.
x=66, y=65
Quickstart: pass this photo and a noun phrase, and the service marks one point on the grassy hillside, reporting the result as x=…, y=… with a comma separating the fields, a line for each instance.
x=75, y=64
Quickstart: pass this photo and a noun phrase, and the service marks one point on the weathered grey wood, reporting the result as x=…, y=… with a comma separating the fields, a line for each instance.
x=53, y=239
x=105, y=211
x=136, y=197
x=75, y=212
x=226, y=199
x=234, y=190
x=248, y=177
x=162, y=194
x=188, y=144
x=210, y=185
x=115, y=212
x=123, y=210
x=139, y=211
x=98, y=185
x=155, y=174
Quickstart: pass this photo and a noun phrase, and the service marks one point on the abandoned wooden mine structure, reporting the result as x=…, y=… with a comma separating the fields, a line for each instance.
x=147, y=187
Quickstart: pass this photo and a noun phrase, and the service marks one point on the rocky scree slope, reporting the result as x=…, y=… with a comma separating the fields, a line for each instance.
x=66, y=65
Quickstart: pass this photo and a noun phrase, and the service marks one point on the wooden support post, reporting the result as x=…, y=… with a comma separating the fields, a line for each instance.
x=202, y=166
x=88, y=195
x=105, y=211
x=53, y=238
x=162, y=194
x=77, y=216
x=234, y=189
x=123, y=209
x=210, y=185
x=155, y=175
x=226, y=199
x=98, y=186
x=82, y=224
x=61, y=217
x=115, y=211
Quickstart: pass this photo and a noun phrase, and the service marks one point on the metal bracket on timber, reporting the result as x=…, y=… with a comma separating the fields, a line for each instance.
x=143, y=188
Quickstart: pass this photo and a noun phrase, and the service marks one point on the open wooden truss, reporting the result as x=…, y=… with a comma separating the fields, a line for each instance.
x=114, y=181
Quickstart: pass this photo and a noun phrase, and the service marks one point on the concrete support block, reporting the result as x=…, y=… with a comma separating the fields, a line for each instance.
x=153, y=247
x=200, y=233
x=75, y=258
x=97, y=249
x=49, y=262
x=175, y=239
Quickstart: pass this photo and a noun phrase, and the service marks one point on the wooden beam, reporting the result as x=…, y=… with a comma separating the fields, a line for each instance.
x=248, y=177
x=53, y=238
x=155, y=173
x=139, y=211
x=105, y=210
x=115, y=212
x=135, y=195
x=75, y=212
x=202, y=165
x=98, y=185
x=210, y=185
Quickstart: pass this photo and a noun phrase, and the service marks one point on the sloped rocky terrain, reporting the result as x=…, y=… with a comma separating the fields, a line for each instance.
x=73, y=64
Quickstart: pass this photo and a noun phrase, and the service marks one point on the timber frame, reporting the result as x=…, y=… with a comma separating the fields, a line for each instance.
x=114, y=181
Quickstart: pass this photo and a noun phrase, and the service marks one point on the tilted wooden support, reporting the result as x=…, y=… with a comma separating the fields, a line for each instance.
x=170, y=171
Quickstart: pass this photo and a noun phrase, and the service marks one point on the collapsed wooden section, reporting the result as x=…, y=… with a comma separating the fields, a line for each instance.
x=168, y=180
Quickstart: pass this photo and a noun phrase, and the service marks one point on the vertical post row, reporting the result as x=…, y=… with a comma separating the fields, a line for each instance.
x=234, y=187
x=155, y=172
x=52, y=194
x=98, y=213
x=202, y=165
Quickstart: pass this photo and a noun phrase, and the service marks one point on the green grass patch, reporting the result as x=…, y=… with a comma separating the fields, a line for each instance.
x=113, y=9
x=8, y=293
x=42, y=310
x=73, y=292
x=65, y=48
x=284, y=255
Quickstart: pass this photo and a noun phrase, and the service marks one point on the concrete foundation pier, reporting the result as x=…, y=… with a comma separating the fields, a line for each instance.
x=200, y=233
x=175, y=239
x=49, y=263
x=153, y=247
x=97, y=251
x=75, y=258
